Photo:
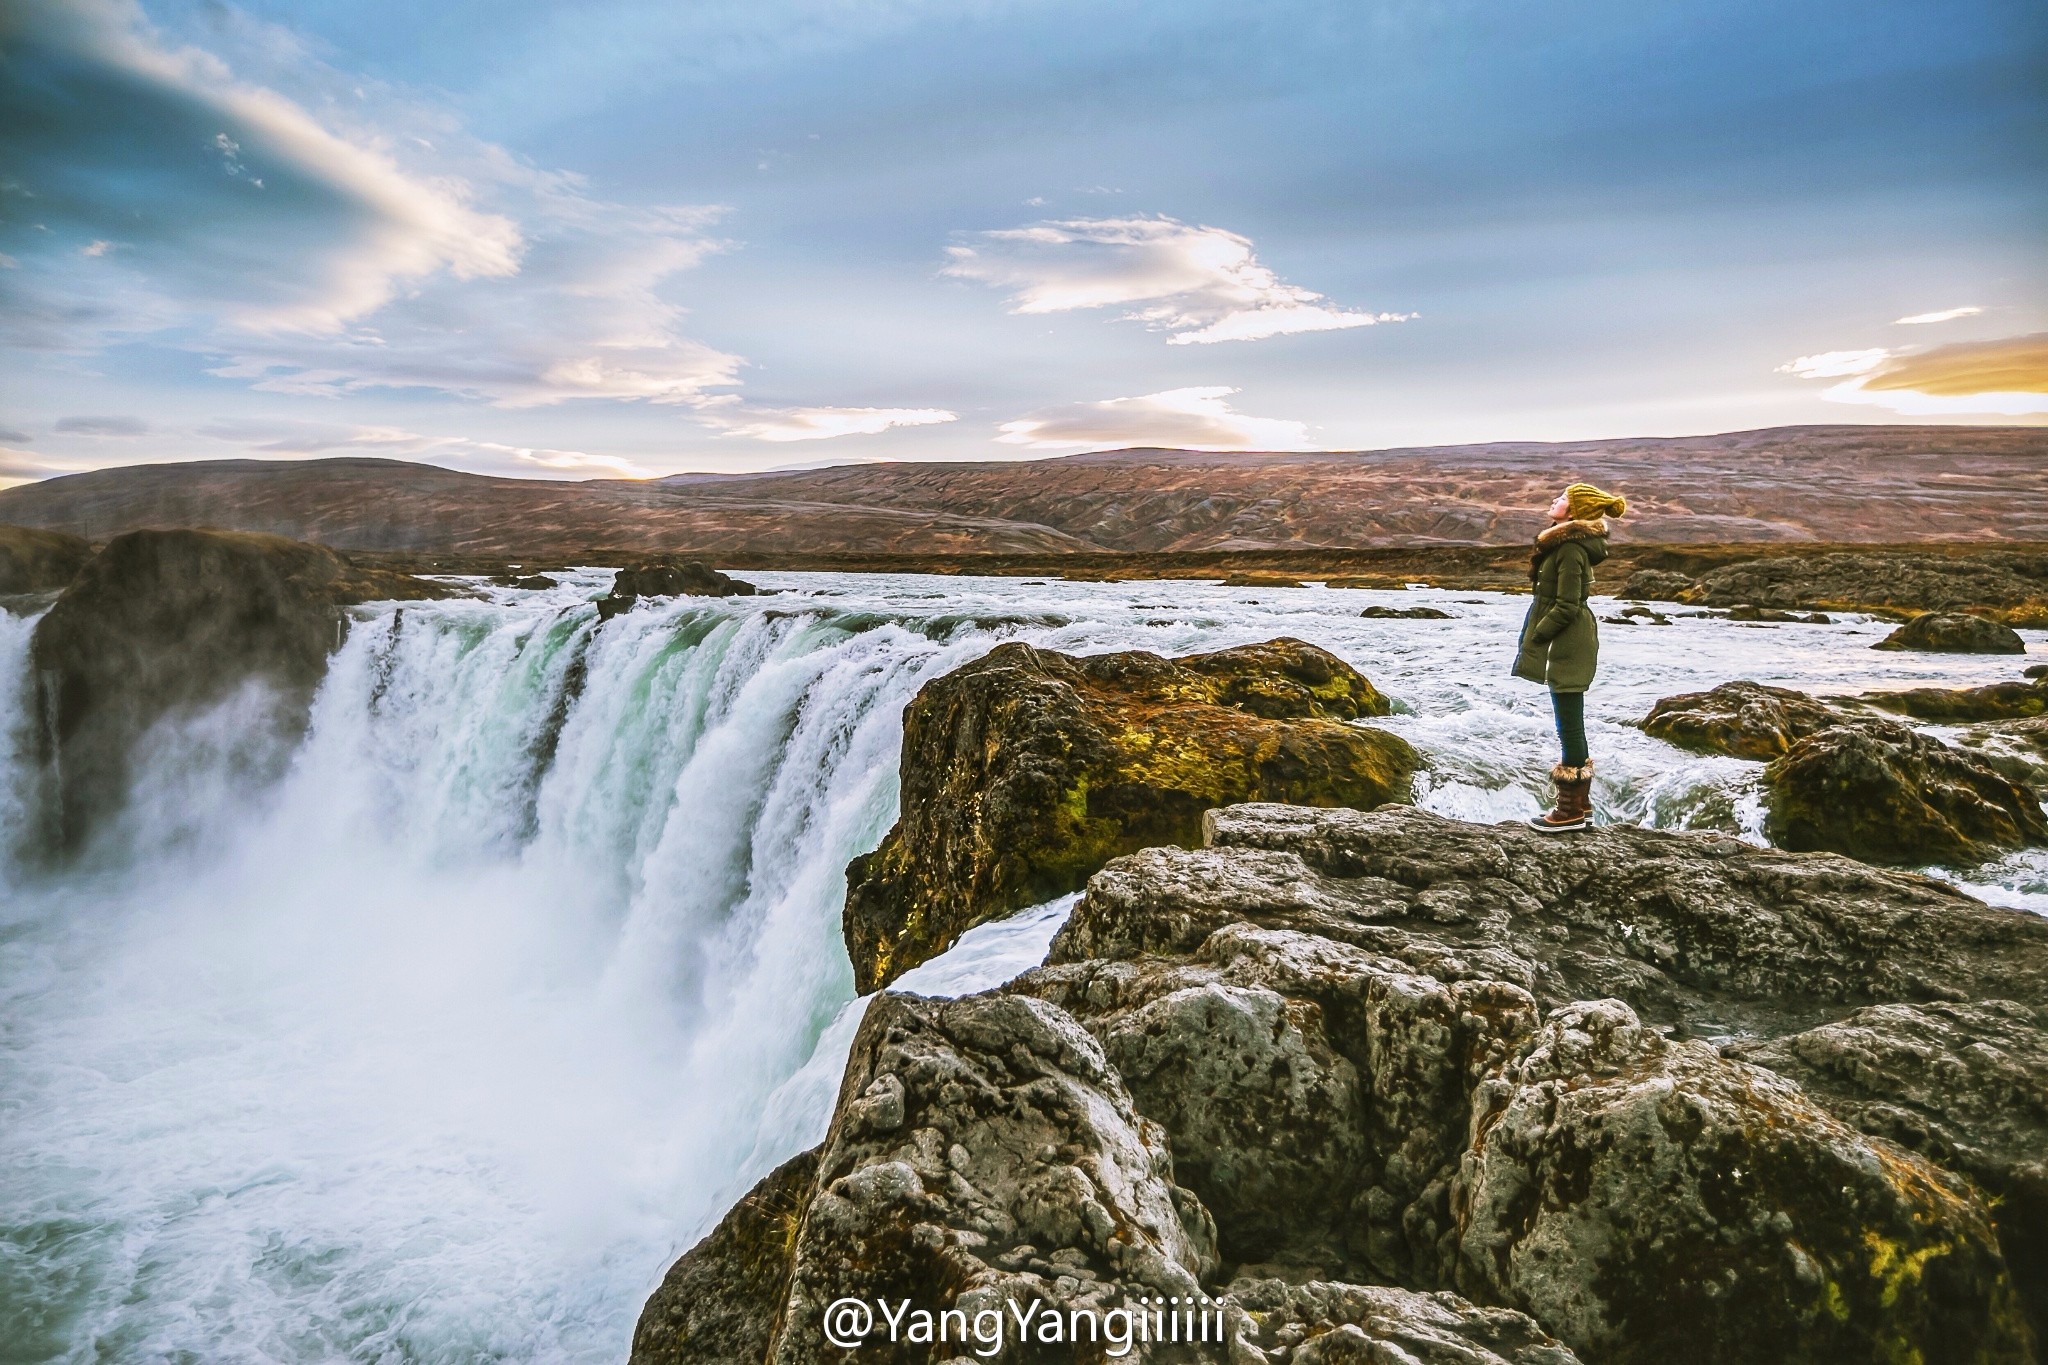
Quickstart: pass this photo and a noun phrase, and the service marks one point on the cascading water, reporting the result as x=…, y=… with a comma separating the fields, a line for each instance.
x=440, y=1048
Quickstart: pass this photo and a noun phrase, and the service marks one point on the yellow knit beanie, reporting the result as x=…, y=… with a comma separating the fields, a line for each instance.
x=1587, y=502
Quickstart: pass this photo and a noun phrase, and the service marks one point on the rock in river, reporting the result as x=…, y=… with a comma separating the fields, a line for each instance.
x=39, y=561
x=168, y=623
x=1954, y=632
x=668, y=578
x=1887, y=794
x=1025, y=771
x=1745, y=719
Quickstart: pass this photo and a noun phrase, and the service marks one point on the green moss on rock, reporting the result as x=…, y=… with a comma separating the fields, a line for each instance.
x=1027, y=770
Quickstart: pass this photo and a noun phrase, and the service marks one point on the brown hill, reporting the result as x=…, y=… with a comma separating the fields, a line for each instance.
x=1789, y=484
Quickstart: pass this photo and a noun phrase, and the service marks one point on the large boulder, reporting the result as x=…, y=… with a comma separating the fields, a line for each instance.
x=1954, y=632
x=1651, y=1201
x=1745, y=719
x=1657, y=585
x=1965, y=1084
x=2012, y=584
x=39, y=561
x=1027, y=770
x=668, y=578
x=1887, y=794
x=986, y=1160
x=165, y=624
x=1317, y=1095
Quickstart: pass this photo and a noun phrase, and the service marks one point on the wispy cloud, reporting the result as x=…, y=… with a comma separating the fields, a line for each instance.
x=812, y=424
x=2006, y=377
x=1191, y=419
x=1945, y=315
x=1198, y=284
x=101, y=426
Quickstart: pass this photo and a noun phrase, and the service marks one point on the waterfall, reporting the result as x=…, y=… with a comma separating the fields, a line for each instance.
x=482, y=1003
x=439, y=1047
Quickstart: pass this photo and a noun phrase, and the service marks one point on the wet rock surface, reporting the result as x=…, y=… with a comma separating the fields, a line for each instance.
x=1954, y=632
x=170, y=623
x=1027, y=770
x=1887, y=794
x=1746, y=719
x=1387, y=1086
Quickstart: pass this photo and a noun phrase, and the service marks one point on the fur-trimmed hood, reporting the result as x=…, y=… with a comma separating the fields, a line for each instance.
x=1553, y=536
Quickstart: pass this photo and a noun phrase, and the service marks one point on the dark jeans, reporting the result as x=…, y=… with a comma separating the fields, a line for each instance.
x=1571, y=725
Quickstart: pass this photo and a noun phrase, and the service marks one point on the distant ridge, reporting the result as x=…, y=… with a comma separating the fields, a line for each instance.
x=1889, y=484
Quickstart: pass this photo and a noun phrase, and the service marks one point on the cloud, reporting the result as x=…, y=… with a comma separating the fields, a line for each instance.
x=102, y=426
x=307, y=247
x=2005, y=377
x=813, y=424
x=1199, y=284
x=226, y=198
x=1191, y=419
x=9, y=436
x=1945, y=315
x=24, y=466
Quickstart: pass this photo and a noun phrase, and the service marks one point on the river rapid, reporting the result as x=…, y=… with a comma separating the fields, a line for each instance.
x=440, y=1048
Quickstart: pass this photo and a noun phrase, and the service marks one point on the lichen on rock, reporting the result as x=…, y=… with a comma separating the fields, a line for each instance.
x=1026, y=770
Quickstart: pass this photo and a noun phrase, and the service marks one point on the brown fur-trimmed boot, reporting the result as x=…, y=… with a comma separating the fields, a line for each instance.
x=1574, y=808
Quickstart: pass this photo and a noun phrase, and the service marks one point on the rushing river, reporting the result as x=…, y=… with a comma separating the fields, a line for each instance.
x=441, y=1048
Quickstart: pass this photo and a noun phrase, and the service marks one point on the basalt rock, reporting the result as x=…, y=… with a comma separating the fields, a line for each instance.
x=1960, y=705
x=1887, y=794
x=1746, y=719
x=2012, y=585
x=1651, y=1201
x=2016, y=748
x=986, y=1161
x=1025, y=771
x=1963, y=1084
x=1392, y=1087
x=39, y=561
x=1954, y=632
x=668, y=578
x=166, y=624
x=720, y=1301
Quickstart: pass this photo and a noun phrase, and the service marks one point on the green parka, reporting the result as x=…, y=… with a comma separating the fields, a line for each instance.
x=1560, y=645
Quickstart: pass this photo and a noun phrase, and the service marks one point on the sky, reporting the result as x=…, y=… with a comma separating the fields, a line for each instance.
x=641, y=237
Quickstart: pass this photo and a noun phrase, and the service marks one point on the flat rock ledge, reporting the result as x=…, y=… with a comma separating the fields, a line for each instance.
x=1028, y=769
x=1381, y=1086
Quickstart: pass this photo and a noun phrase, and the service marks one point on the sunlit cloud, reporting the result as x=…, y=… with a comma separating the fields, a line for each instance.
x=1198, y=284
x=734, y=418
x=2006, y=377
x=1189, y=419
x=1945, y=315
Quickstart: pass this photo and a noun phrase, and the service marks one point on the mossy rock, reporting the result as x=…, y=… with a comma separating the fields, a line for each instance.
x=1027, y=770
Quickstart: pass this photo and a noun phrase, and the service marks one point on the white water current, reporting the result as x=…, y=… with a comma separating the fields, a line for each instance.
x=442, y=1047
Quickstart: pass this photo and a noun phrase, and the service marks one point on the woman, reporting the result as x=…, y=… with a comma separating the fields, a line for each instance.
x=1561, y=643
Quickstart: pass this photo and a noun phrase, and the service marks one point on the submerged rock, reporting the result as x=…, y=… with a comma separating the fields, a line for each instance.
x=1887, y=794
x=1954, y=632
x=39, y=561
x=668, y=578
x=1026, y=770
x=1378, y=613
x=1745, y=719
x=166, y=624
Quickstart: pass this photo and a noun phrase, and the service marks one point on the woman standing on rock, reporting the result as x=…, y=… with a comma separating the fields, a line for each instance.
x=1560, y=645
